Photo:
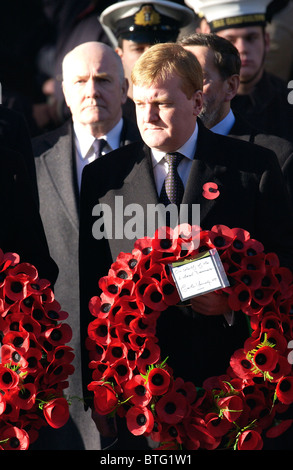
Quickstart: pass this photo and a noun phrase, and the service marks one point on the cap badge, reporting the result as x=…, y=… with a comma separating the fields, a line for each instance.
x=147, y=16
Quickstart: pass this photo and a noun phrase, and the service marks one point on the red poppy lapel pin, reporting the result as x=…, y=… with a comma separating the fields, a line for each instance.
x=210, y=190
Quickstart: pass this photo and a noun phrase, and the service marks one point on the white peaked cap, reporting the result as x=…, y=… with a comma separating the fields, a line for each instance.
x=222, y=14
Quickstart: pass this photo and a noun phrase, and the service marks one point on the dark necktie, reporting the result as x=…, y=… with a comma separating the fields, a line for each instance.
x=99, y=145
x=173, y=189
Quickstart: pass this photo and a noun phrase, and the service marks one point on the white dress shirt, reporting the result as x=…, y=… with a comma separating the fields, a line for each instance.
x=84, y=151
x=160, y=166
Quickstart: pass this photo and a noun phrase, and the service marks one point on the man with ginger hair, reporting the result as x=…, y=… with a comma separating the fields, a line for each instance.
x=167, y=90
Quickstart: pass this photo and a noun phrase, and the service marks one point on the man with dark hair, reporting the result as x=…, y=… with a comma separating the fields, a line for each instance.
x=221, y=65
x=262, y=97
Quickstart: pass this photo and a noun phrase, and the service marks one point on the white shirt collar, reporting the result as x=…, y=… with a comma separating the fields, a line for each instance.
x=187, y=149
x=224, y=127
x=84, y=140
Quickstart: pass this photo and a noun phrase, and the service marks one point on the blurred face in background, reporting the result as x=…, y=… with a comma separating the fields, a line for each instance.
x=217, y=92
x=252, y=43
x=129, y=52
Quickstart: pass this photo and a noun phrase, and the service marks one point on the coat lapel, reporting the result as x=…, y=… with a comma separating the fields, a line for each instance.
x=60, y=166
x=202, y=171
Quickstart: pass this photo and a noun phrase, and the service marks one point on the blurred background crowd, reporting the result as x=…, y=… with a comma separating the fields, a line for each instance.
x=36, y=35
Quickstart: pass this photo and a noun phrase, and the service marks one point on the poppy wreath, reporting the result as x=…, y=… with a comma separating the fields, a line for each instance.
x=235, y=410
x=35, y=361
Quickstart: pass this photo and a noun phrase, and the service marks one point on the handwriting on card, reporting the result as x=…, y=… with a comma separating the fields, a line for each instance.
x=199, y=276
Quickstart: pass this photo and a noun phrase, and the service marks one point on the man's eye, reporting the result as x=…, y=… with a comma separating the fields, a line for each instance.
x=164, y=104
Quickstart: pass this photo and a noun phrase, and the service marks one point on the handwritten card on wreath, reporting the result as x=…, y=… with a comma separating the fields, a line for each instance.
x=199, y=275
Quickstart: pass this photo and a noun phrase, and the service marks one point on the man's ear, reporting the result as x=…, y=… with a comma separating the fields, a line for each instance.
x=267, y=40
x=197, y=102
x=124, y=90
x=232, y=84
x=119, y=51
x=64, y=91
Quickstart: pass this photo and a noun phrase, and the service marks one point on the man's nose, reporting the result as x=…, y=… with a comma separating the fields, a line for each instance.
x=92, y=88
x=240, y=44
x=150, y=113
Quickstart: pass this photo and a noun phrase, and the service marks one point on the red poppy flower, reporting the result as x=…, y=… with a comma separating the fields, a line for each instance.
x=250, y=278
x=57, y=372
x=122, y=370
x=171, y=407
x=130, y=260
x=18, y=339
x=217, y=426
x=240, y=298
x=241, y=237
x=188, y=389
x=143, y=245
x=230, y=407
x=189, y=238
x=198, y=436
x=61, y=354
x=253, y=248
x=284, y=390
x=115, y=351
x=241, y=366
x=136, y=390
x=121, y=270
x=143, y=325
x=282, y=368
x=221, y=236
x=170, y=293
x=61, y=334
x=254, y=263
x=153, y=297
x=17, y=439
x=105, y=397
x=124, y=318
x=8, y=260
x=278, y=429
x=16, y=287
x=9, y=355
x=166, y=247
x=140, y=420
x=26, y=396
x=158, y=381
x=2, y=404
x=250, y=440
x=100, y=308
x=210, y=191
x=266, y=358
x=53, y=311
x=99, y=331
x=111, y=285
x=33, y=358
x=150, y=354
x=276, y=338
x=8, y=378
x=96, y=352
x=56, y=412
x=284, y=277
